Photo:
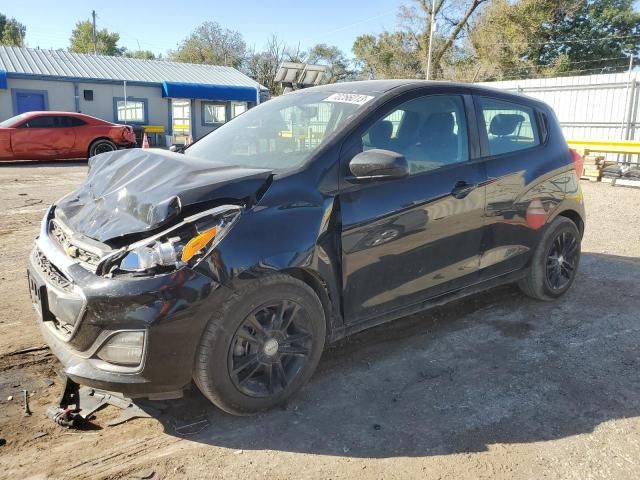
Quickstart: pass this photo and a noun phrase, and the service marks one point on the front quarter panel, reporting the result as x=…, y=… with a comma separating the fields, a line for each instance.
x=280, y=234
x=5, y=144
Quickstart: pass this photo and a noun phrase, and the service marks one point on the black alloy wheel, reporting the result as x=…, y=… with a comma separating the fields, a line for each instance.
x=270, y=349
x=562, y=260
x=262, y=345
x=555, y=261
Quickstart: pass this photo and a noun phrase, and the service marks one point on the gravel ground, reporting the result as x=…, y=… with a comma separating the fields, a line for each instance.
x=493, y=386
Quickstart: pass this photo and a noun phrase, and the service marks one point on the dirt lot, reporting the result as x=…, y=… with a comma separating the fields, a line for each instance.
x=494, y=386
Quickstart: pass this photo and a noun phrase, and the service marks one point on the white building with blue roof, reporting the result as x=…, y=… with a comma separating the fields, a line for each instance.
x=175, y=99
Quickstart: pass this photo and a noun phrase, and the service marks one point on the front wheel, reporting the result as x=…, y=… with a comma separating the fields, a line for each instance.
x=555, y=261
x=264, y=346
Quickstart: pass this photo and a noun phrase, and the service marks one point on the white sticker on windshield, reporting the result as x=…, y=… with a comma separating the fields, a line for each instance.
x=354, y=98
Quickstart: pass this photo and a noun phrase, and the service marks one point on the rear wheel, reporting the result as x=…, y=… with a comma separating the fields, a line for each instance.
x=555, y=261
x=101, y=146
x=263, y=348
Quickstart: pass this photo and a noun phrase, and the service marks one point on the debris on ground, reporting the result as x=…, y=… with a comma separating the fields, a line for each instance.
x=144, y=475
x=190, y=426
x=27, y=411
x=78, y=405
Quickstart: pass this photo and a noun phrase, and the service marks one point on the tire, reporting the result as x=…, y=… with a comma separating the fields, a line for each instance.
x=101, y=146
x=273, y=371
x=540, y=282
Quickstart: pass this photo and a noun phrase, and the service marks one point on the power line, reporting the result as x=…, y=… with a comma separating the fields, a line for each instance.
x=577, y=62
x=562, y=42
x=559, y=74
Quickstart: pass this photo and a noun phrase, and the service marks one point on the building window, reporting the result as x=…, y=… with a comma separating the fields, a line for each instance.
x=134, y=110
x=237, y=109
x=88, y=95
x=213, y=113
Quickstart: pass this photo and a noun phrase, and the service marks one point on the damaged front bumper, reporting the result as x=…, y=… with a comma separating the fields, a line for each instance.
x=79, y=312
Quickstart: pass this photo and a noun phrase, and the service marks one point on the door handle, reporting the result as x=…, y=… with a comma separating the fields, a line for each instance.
x=461, y=189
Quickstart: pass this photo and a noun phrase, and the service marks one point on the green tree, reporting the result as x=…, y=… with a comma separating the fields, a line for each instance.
x=552, y=37
x=81, y=40
x=601, y=34
x=211, y=44
x=388, y=55
x=334, y=59
x=12, y=32
x=141, y=54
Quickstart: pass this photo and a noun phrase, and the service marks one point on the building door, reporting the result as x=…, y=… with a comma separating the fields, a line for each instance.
x=30, y=102
x=181, y=114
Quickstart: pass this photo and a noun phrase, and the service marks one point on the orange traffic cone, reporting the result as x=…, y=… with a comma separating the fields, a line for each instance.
x=536, y=214
x=145, y=141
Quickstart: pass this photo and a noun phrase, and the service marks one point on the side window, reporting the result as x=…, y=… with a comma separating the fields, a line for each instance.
x=429, y=131
x=63, y=122
x=510, y=126
x=77, y=122
x=41, y=122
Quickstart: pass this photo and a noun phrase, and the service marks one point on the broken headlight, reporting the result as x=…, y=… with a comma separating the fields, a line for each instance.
x=184, y=244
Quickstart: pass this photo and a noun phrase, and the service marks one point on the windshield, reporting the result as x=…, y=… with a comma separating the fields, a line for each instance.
x=281, y=133
x=10, y=122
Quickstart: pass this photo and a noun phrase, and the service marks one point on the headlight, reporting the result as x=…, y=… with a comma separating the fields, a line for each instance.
x=184, y=244
x=123, y=348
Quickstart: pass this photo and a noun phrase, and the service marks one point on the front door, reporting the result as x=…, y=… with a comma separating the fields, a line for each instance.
x=42, y=137
x=181, y=114
x=407, y=240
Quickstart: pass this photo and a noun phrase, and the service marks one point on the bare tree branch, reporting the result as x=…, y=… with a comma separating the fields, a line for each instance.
x=456, y=31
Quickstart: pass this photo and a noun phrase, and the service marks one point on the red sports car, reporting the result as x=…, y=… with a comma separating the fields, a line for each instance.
x=60, y=135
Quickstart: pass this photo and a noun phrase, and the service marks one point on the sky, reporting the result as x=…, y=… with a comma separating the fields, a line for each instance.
x=160, y=25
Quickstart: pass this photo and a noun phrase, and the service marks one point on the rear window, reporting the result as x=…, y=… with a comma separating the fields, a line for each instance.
x=69, y=122
x=510, y=126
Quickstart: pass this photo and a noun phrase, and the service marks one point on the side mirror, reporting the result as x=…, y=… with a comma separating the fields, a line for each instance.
x=176, y=149
x=378, y=164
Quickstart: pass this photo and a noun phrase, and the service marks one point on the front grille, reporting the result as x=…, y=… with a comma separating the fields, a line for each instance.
x=86, y=258
x=56, y=277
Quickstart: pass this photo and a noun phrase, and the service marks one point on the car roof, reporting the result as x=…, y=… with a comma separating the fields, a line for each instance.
x=378, y=87
x=86, y=117
x=59, y=112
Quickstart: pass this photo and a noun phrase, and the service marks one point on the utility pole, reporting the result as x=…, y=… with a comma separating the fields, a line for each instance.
x=93, y=33
x=431, y=29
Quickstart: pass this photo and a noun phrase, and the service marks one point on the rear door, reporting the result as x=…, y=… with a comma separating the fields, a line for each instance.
x=42, y=137
x=513, y=144
x=407, y=240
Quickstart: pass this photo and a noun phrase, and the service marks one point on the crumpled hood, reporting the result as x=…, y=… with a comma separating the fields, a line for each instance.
x=133, y=191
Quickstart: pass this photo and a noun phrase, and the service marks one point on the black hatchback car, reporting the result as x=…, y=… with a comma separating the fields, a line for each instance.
x=312, y=216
